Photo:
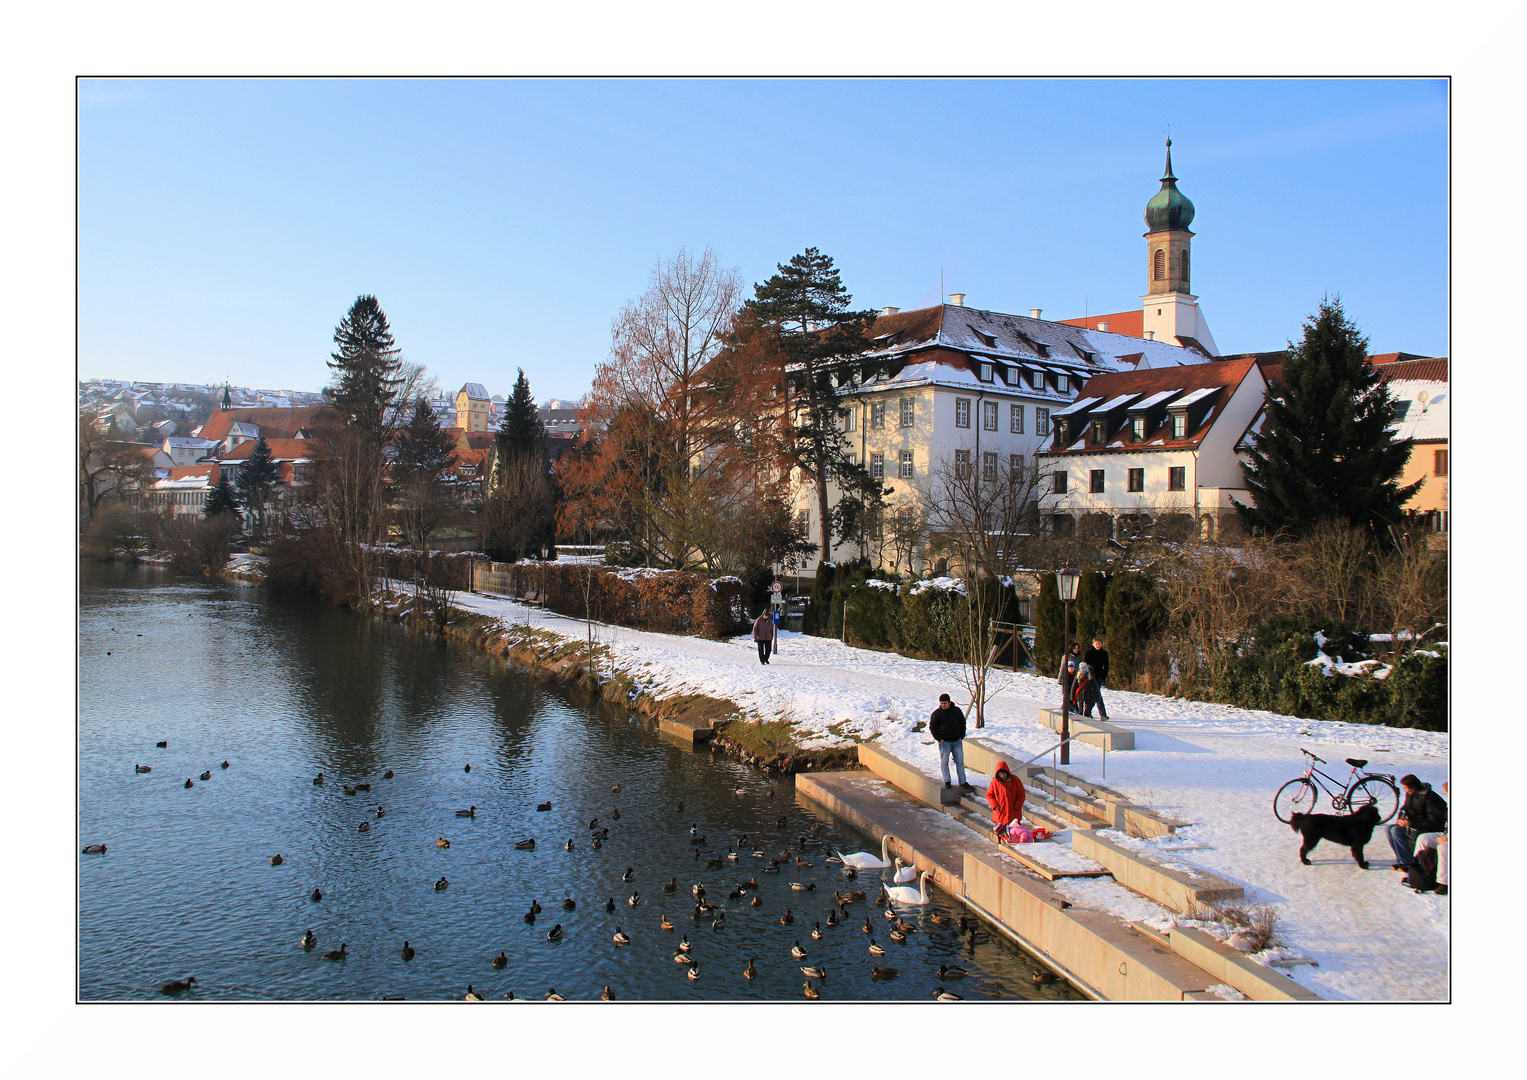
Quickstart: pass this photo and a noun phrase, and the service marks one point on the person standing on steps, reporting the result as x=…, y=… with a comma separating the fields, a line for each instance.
x=763, y=635
x=947, y=726
x=1068, y=667
x=1096, y=658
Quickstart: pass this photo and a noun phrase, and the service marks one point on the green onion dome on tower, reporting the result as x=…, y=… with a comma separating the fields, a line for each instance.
x=1168, y=208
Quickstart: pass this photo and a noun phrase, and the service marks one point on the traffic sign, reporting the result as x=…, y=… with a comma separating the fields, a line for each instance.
x=776, y=588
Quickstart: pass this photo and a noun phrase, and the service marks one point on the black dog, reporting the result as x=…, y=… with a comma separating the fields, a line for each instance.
x=1352, y=830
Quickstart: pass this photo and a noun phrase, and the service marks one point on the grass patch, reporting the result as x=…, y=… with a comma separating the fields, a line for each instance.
x=766, y=739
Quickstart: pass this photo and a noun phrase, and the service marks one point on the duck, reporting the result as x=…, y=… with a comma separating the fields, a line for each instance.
x=666, y=923
x=162, y=743
x=362, y=787
x=865, y=860
x=757, y=853
x=466, y=768
x=387, y=775
x=179, y=986
x=740, y=792
x=276, y=860
x=616, y=789
x=906, y=927
x=568, y=903
x=782, y=822
x=787, y=918
x=680, y=808
x=188, y=783
x=501, y=961
x=897, y=935
x=442, y=842
x=816, y=972
x=94, y=849
x=365, y=826
x=597, y=844
x=555, y=933
x=621, y=937
x=977, y=937
x=470, y=812
x=526, y=845
x=530, y=917
x=816, y=931
x=751, y=883
x=937, y=919
x=949, y=973
x=905, y=894
x=552, y=995
x=629, y=874
x=471, y=995
x=143, y=768
x=811, y=992
x=876, y=949
x=535, y=906
x=719, y=922
x=672, y=886
x=309, y=941
x=349, y=790
x=318, y=779
x=1040, y=978
x=889, y=913
x=543, y=807
x=868, y=927
x=772, y=868
x=381, y=811
x=798, y=952
x=568, y=846
x=832, y=917
x=207, y=775
x=694, y=828
x=757, y=901
x=715, y=864
x=609, y=905
x=735, y=894
x=810, y=886
x=694, y=972
x=751, y=971
x=615, y=814
x=731, y=855
x=602, y=834
x=879, y=973
x=315, y=896
x=607, y=994
x=339, y=953
x=636, y=898
x=769, y=794
x=802, y=862
x=593, y=824
x=941, y=994
x=697, y=890
x=407, y=952
x=683, y=943
x=442, y=884
x=682, y=957
x=850, y=873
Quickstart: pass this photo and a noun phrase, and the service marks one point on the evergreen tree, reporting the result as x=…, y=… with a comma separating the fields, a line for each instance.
x=1049, y=629
x=1091, y=594
x=221, y=499
x=808, y=307
x=521, y=431
x=255, y=479
x=1325, y=451
x=366, y=368
x=1131, y=614
x=424, y=446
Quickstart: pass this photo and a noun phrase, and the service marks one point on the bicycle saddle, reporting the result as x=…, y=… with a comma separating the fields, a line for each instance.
x=1357, y=763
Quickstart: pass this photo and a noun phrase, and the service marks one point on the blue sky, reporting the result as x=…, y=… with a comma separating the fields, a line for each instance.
x=225, y=226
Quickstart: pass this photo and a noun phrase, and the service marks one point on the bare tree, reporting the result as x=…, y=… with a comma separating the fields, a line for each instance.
x=347, y=506
x=1411, y=587
x=107, y=467
x=1336, y=559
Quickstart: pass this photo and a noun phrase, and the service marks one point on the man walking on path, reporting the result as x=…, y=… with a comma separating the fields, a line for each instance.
x=1096, y=658
x=947, y=725
x=1424, y=811
x=763, y=634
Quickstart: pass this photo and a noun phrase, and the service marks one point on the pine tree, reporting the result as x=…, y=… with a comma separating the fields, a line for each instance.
x=1049, y=629
x=1131, y=614
x=255, y=478
x=424, y=446
x=808, y=307
x=221, y=499
x=521, y=431
x=366, y=366
x=1091, y=594
x=1325, y=450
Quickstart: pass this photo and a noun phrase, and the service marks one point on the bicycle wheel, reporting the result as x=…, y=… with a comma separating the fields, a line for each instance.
x=1377, y=792
x=1295, y=797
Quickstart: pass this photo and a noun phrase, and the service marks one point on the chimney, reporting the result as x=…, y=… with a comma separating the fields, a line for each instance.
x=1150, y=335
x=1103, y=326
x=958, y=298
x=889, y=310
x=1034, y=312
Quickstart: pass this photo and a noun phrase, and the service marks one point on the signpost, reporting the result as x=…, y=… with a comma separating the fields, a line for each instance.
x=777, y=605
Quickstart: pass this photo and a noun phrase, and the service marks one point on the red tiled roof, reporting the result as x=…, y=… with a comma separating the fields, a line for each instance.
x=1223, y=376
x=192, y=472
x=273, y=423
x=480, y=440
x=1128, y=323
x=1430, y=369
x=280, y=449
x=1378, y=359
x=920, y=324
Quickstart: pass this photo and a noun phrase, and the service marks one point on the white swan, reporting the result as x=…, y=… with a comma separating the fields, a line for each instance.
x=864, y=860
x=905, y=894
x=904, y=873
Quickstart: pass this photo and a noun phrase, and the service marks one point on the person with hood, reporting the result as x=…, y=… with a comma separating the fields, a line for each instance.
x=1068, y=665
x=1006, y=796
x=1424, y=811
x=764, y=635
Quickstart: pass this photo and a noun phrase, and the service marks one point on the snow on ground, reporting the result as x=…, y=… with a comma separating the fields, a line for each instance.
x=1216, y=766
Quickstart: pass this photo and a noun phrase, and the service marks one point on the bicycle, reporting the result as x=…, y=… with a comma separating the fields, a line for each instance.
x=1361, y=789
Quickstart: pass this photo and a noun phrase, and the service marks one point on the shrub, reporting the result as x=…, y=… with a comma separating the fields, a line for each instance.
x=1132, y=613
x=818, y=611
x=1048, y=625
x=1091, y=596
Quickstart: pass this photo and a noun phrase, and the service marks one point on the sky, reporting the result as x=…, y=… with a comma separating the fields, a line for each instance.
x=225, y=226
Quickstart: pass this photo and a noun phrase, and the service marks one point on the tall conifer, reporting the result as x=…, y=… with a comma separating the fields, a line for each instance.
x=366, y=366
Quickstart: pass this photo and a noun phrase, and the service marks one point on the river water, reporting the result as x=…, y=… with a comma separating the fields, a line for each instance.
x=283, y=689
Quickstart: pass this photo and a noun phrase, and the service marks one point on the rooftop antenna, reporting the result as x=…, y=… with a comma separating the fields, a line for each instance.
x=941, y=296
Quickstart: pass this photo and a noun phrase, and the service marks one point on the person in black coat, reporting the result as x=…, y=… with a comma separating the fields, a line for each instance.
x=1068, y=665
x=1424, y=811
x=947, y=726
x=1096, y=658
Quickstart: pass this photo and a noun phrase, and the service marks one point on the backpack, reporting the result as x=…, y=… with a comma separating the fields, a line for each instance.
x=1423, y=871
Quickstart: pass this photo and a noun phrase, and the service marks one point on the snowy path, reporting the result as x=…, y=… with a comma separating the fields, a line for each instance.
x=1214, y=765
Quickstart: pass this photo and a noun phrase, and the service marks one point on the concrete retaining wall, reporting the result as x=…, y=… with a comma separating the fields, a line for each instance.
x=1233, y=969
x=1176, y=889
x=906, y=776
x=1097, y=732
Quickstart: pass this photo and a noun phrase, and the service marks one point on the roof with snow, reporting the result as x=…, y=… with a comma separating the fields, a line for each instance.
x=1420, y=390
x=185, y=442
x=272, y=423
x=475, y=391
x=280, y=450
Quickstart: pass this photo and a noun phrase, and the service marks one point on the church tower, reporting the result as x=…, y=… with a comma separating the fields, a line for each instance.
x=1170, y=309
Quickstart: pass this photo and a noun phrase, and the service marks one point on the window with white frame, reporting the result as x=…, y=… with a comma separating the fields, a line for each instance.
x=905, y=471
x=877, y=415
x=988, y=466
x=962, y=412
x=850, y=418
x=986, y=373
x=1015, y=419
x=1041, y=421
x=1180, y=425
x=1062, y=383
x=989, y=415
x=1137, y=428
x=908, y=411
x=962, y=463
x=1015, y=468
x=877, y=466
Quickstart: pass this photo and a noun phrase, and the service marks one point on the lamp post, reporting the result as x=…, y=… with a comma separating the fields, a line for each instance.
x=1065, y=582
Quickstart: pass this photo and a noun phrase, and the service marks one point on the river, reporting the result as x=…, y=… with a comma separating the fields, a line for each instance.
x=283, y=689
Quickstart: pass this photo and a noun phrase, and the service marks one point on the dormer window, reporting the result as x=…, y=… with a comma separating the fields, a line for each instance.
x=1062, y=384
x=1179, y=425
x=1137, y=428
x=986, y=373
x=986, y=339
x=1099, y=430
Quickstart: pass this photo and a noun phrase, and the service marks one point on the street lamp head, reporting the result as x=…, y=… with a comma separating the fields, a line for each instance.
x=1066, y=581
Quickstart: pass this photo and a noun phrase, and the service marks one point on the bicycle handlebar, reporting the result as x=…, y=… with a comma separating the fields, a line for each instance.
x=1307, y=754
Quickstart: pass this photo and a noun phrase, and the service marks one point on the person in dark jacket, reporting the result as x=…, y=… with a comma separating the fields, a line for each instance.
x=947, y=726
x=764, y=635
x=1424, y=811
x=1068, y=665
x=1096, y=658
